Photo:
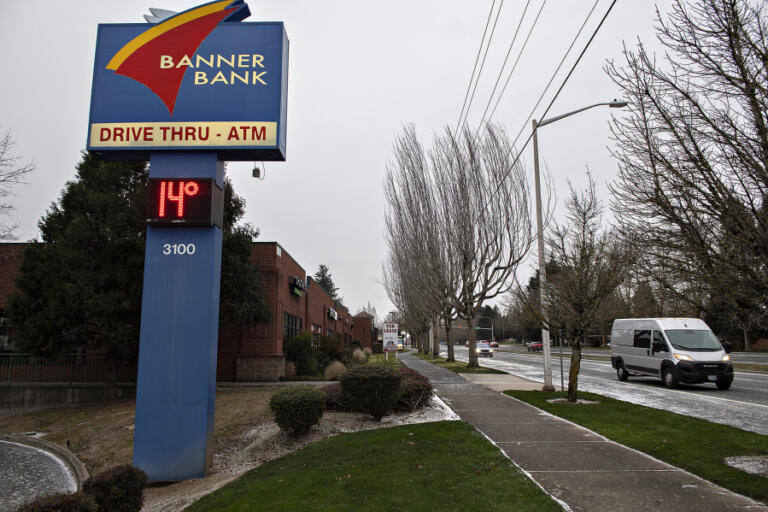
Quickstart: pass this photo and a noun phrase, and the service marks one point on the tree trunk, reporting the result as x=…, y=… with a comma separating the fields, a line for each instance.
x=746, y=338
x=435, y=337
x=573, y=373
x=472, y=345
x=449, y=340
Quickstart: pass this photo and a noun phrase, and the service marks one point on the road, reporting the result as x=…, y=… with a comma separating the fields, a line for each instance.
x=744, y=406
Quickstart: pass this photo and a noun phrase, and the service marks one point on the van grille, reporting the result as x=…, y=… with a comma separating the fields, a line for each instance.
x=709, y=368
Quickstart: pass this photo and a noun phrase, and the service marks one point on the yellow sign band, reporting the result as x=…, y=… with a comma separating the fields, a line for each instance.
x=183, y=134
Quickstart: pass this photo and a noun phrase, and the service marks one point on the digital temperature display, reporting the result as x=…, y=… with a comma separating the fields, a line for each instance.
x=184, y=202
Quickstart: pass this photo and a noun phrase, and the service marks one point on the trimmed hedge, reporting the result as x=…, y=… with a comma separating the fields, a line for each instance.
x=297, y=408
x=74, y=502
x=370, y=389
x=119, y=489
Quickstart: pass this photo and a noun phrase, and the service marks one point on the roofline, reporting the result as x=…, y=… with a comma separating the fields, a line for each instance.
x=283, y=251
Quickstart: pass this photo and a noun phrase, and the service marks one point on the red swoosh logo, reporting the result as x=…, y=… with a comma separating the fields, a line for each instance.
x=180, y=35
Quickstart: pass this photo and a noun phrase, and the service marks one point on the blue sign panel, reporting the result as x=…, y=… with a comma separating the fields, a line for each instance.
x=197, y=81
x=176, y=388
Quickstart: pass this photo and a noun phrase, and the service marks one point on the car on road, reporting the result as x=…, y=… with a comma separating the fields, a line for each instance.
x=534, y=346
x=494, y=344
x=677, y=350
x=484, y=349
x=400, y=346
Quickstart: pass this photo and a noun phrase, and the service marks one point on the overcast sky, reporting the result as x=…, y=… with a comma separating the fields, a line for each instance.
x=358, y=72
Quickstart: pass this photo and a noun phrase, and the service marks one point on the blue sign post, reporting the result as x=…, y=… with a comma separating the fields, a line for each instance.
x=176, y=389
x=187, y=93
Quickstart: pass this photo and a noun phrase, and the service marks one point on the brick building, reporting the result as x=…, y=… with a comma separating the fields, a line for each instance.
x=255, y=353
x=10, y=260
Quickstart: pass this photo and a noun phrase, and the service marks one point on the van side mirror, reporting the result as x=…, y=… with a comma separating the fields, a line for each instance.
x=658, y=346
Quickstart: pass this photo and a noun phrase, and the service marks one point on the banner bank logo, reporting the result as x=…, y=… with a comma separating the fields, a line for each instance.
x=159, y=57
x=197, y=79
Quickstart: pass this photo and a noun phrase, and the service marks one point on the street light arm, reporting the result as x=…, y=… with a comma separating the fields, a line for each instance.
x=557, y=118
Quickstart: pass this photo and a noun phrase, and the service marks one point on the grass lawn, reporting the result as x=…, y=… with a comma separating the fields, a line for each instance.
x=456, y=366
x=381, y=359
x=695, y=445
x=442, y=466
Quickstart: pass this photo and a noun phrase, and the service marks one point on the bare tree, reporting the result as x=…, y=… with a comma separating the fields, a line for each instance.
x=412, y=232
x=12, y=173
x=590, y=262
x=485, y=218
x=693, y=155
x=459, y=222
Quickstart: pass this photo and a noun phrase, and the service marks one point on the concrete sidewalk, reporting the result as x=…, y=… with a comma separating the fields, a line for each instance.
x=582, y=469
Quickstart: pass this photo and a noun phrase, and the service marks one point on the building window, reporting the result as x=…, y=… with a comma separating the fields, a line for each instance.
x=291, y=326
x=316, y=332
x=328, y=332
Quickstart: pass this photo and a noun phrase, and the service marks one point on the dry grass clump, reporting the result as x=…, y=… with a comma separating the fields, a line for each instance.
x=361, y=355
x=334, y=370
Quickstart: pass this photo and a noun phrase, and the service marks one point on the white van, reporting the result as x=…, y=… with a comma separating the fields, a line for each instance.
x=678, y=350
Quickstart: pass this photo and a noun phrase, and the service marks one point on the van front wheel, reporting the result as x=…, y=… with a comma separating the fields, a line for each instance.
x=669, y=377
x=723, y=383
x=621, y=371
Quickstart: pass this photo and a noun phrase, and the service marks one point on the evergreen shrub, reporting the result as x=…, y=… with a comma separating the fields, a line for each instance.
x=370, y=389
x=74, y=502
x=300, y=351
x=119, y=489
x=297, y=408
x=330, y=349
x=333, y=399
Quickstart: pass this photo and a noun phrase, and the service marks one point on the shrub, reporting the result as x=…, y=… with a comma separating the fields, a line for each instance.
x=360, y=355
x=370, y=389
x=299, y=350
x=378, y=348
x=333, y=399
x=415, y=391
x=334, y=370
x=119, y=489
x=75, y=502
x=297, y=408
x=329, y=349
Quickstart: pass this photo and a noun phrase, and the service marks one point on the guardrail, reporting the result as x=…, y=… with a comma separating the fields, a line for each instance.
x=76, y=368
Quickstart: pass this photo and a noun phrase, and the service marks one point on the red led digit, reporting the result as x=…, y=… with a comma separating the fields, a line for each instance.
x=179, y=198
x=161, y=209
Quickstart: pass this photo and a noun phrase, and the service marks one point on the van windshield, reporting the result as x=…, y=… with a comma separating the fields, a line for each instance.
x=689, y=339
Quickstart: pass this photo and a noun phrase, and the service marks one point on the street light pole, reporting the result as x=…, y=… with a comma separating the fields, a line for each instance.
x=540, y=230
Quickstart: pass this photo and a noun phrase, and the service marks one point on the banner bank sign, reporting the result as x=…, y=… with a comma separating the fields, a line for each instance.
x=197, y=81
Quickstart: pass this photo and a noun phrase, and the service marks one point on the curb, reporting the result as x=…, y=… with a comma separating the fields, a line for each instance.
x=79, y=473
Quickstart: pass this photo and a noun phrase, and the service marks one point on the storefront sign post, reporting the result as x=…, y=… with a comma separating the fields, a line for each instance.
x=186, y=93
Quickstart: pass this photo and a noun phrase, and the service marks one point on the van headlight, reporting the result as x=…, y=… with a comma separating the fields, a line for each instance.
x=682, y=357
x=726, y=357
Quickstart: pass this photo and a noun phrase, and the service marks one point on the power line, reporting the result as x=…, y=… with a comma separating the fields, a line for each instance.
x=559, y=90
x=480, y=71
x=552, y=78
x=474, y=68
x=514, y=66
